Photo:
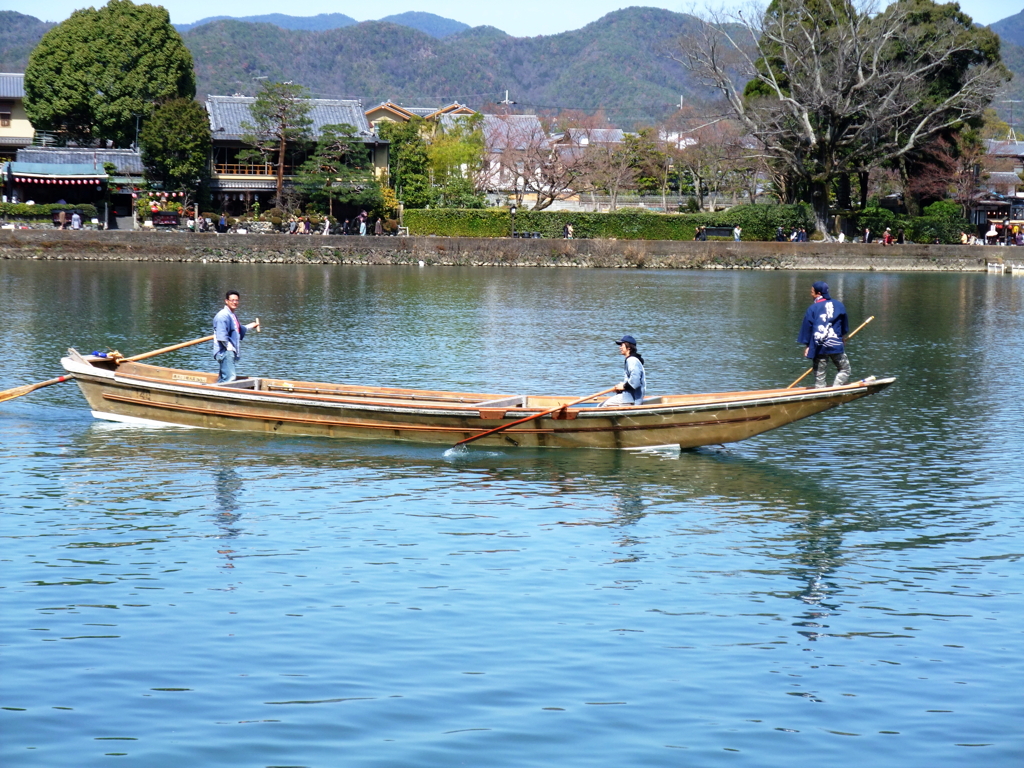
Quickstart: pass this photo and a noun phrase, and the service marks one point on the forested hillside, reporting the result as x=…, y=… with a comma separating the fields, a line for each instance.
x=432, y=24
x=18, y=36
x=1010, y=29
x=621, y=63
x=316, y=23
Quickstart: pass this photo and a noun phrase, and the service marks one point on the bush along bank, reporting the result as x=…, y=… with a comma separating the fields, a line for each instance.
x=942, y=223
x=757, y=222
x=25, y=212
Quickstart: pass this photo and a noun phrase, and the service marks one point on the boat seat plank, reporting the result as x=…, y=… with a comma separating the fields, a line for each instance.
x=246, y=383
x=514, y=401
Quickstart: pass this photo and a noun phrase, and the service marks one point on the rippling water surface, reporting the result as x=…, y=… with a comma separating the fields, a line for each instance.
x=844, y=589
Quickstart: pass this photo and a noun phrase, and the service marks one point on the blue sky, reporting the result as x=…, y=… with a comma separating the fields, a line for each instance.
x=517, y=17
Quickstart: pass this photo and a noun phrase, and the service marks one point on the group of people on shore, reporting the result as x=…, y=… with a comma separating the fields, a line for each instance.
x=301, y=225
x=822, y=333
x=1014, y=236
x=64, y=221
x=796, y=235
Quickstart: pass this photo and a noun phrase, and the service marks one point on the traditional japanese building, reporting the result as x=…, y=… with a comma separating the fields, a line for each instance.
x=236, y=185
x=390, y=112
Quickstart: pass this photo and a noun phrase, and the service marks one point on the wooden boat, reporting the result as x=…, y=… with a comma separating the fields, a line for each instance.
x=147, y=394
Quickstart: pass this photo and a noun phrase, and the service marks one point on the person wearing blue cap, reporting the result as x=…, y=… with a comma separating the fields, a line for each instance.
x=822, y=333
x=634, y=383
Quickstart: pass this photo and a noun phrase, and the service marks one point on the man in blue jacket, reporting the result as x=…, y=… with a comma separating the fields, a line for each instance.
x=227, y=337
x=823, y=331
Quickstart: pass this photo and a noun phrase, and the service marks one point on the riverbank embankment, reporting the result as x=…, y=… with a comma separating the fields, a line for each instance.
x=491, y=252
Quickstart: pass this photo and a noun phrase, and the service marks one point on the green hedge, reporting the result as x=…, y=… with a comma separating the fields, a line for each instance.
x=758, y=222
x=23, y=211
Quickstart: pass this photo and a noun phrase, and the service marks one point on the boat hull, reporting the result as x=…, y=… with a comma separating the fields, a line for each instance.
x=143, y=393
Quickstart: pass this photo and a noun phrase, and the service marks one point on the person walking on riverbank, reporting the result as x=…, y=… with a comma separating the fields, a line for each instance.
x=227, y=337
x=823, y=332
x=634, y=383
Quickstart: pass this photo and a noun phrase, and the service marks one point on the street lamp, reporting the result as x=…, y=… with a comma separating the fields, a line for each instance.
x=512, y=212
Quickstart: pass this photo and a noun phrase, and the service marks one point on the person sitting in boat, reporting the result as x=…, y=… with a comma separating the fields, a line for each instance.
x=227, y=337
x=823, y=332
x=634, y=383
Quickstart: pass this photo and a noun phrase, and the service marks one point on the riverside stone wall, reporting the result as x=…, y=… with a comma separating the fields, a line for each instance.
x=493, y=252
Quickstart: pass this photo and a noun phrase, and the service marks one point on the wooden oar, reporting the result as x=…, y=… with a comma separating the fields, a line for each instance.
x=848, y=337
x=503, y=427
x=154, y=353
x=10, y=394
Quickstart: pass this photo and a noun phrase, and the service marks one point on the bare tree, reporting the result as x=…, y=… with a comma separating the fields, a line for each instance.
x=831, y=87
x=608, y=168
x=710, y=150
x=525, y=161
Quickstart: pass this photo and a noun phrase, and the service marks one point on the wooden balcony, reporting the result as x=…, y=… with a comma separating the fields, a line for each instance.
x=239, y=169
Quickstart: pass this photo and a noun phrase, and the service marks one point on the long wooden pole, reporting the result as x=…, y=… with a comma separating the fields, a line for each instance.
x=154, y=353
x=503, y=427
x=848, y=337
x=10, y=394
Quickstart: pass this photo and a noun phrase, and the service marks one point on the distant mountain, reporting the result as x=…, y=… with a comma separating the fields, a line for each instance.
x=18, y=36
x=619, y=63
x=435, y=26
x=1010, y=29
x=311, y=23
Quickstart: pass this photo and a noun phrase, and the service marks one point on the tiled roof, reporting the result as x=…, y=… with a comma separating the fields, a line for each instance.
x=596, y=135
x=227, y=113
x=1003, y=177
x=390, y=106
x=504, y=131
x=449, y=120
x=1005, y=148
x=12, y=85
x=127, y=161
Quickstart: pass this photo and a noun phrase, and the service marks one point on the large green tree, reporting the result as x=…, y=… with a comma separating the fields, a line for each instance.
x=280, y=122
x=340, y=170
x=409, y=172
x=457, y=166
x=839, y=87
x=175, y=144
x=101, y=73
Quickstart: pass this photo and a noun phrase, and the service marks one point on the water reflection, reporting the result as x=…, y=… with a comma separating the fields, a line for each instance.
x=227, y=487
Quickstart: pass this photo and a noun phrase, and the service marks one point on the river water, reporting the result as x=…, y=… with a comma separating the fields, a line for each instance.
x=845, y=588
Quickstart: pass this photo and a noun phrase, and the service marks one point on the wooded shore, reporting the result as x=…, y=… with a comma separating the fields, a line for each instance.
x=90, y=245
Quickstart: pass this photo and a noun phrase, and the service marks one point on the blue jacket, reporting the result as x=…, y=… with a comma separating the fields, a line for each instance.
x=227, y=328
x=635, y=380
x=823, y=328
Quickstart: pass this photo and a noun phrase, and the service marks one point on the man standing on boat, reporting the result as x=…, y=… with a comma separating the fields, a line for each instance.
x=823, y=332
x=227, y=337
x=634, y=383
